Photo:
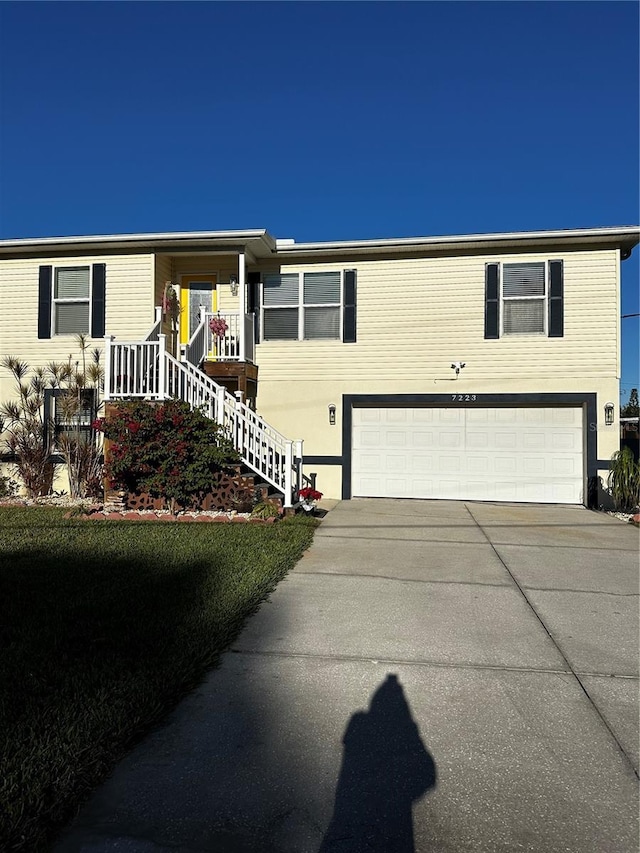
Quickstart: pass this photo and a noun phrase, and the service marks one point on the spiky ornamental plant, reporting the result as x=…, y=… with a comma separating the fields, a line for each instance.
x=624, y=480
x=26, y=435
x=80, y=444
x=30, y=439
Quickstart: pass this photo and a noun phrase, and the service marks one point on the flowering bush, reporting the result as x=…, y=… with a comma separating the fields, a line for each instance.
x=168, y=450
x=218, y=326
x=308, y=495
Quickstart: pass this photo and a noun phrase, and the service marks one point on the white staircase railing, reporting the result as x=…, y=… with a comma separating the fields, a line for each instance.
x=144, y=369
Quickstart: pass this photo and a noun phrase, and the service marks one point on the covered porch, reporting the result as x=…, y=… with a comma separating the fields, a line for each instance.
x=210, y=321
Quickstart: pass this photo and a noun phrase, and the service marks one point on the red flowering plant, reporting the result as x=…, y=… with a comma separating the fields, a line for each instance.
x=309, y=496
x=167, y=451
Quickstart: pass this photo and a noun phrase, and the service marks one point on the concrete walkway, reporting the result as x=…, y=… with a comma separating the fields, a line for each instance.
x=434, y=677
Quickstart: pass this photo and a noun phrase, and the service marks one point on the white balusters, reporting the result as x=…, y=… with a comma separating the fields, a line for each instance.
x=144, y=369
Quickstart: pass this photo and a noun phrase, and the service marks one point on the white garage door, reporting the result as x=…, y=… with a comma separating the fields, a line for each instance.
x=532, y=455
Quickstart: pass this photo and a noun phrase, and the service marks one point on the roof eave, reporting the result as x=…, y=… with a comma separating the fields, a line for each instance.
x=259, y=239
x=627, y=236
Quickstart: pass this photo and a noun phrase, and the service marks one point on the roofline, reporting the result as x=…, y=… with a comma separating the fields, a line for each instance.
x=156, y=239
x=629, y=235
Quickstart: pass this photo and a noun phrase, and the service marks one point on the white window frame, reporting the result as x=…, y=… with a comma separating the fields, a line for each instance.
x=544, y=299
x=56, y=301
x=300, y=306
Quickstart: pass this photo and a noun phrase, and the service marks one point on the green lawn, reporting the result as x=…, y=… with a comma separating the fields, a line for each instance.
x=104, y=626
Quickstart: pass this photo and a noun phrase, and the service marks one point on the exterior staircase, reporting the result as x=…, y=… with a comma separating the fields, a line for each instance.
x=147, y=370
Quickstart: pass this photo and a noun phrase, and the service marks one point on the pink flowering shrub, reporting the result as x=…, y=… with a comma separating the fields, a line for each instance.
x=167, y=451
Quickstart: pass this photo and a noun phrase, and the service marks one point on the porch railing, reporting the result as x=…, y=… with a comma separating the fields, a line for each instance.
x=145, y=370
x=237, y=343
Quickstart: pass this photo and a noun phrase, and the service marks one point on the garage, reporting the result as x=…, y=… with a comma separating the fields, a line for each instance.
x=516, y=454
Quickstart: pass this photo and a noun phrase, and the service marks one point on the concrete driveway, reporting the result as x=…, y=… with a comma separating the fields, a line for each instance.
x=434, y=676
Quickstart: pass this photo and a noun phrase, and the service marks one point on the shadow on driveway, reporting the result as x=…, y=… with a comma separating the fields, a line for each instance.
x=385, y=770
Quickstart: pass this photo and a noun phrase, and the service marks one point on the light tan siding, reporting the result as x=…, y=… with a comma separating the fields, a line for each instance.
x=129, y=308
x=416, y=316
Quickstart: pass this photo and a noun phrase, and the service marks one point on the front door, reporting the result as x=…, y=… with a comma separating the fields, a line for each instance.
x=195, y=291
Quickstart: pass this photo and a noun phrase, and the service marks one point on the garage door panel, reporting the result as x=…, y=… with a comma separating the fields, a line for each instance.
x=423, y=464
x=449, y=439
x=532, y=455
x=396, y=438
x=533, y=441
x=423, y=438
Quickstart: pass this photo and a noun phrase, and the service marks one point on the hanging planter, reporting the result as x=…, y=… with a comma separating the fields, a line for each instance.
x=170, y=305
x=218, y=327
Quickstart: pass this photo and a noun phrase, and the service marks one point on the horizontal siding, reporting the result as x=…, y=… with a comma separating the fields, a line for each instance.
x=129, y=307
x=416, y=316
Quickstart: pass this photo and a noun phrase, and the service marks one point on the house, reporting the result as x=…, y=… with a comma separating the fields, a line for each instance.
x=479, y=367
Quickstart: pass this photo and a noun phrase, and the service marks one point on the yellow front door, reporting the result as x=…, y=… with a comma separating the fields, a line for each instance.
x=195, y=291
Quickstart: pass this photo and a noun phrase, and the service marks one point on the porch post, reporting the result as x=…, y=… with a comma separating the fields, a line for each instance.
x=297, y=455
x=220, y=398
x=242, y=306
x=162, y=348
x=288, y=474
x=107, y=367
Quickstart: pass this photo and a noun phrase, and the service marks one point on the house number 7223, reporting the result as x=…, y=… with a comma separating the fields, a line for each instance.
x=463, y=398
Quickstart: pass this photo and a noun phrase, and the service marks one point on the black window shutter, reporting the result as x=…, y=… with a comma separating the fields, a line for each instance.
x=492, y=302
x=98, y=281
x=556, y=299
x=44, y=302
x=349, y=315
x=253, y=301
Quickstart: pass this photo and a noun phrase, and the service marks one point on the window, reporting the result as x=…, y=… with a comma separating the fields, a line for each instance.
x=321, y=298
x=523, y=299
x=302, y=306
x=68, y=415
x=71, y=293
x=71, y=300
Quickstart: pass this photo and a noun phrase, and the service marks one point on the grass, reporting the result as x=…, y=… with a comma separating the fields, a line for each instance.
x=104, y=626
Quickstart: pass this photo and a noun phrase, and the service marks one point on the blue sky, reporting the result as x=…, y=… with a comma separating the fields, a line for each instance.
x=321, y=120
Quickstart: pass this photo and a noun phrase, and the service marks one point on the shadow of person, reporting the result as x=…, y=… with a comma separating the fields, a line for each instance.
x=385, y=769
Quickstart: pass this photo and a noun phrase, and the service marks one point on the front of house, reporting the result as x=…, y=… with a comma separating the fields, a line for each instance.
x=476, y=367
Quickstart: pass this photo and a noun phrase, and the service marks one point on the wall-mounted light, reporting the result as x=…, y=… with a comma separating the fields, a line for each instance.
x=609, y=409
x=332, y=414
x=233, y=284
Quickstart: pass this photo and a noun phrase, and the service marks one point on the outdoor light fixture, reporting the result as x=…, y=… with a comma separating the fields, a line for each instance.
x=233, y=284
x=608, y=413
x=332, y=414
